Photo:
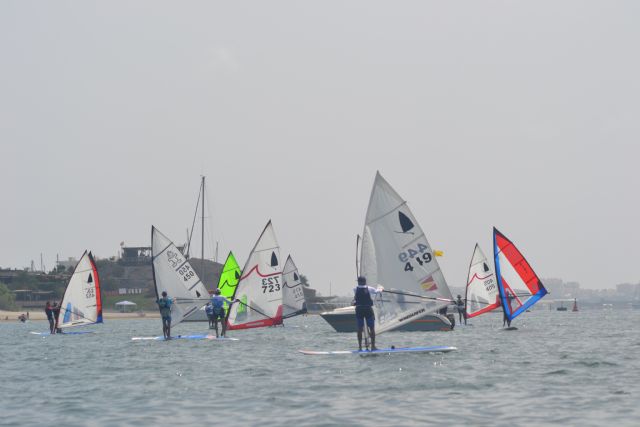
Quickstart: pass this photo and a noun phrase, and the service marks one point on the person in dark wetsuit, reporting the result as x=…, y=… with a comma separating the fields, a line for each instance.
x=364, y=310
x=164, y=304
x=49, y=312
x=217, y=307
x=505, y=319
x=56, y=315
x=460, y=307
x=208, y=309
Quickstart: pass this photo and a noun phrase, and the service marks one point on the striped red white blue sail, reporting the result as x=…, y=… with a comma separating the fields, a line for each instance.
x=82, y=300
x=518, y=284
x=482, y=293
x=260, y=288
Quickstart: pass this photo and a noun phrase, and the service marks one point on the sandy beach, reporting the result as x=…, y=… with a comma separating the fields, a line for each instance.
x=12, y=316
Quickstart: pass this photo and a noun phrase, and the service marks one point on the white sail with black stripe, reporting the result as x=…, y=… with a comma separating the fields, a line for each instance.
x=173, y=274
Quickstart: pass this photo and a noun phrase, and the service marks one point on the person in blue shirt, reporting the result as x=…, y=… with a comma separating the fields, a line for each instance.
x=363, y=300
x=217, y=306
x=164, y=304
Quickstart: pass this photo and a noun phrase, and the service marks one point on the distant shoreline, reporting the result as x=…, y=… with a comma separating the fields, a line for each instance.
x=12, y=316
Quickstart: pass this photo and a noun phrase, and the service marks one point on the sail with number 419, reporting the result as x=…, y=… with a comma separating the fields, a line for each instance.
x=519, y=286
x=173, y=274
x=82, y=301
x=259, y=292
x=396, y=254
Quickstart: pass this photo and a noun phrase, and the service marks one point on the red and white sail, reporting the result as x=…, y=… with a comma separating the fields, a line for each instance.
x=260, y=288
x=482, y=293
x=519, y=286
x=82, y=300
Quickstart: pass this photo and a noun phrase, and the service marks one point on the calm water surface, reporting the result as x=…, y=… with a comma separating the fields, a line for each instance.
x=559, y=367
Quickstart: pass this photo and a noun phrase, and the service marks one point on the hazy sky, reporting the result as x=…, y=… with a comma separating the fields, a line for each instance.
x=518, y=114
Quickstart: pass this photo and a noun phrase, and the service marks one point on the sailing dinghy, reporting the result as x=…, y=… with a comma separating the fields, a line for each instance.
x=260, y=288
x=173, y=274
x=481, y=295
x=293, y=302
x=396, y=254
x=82, y=301
x=519, y=286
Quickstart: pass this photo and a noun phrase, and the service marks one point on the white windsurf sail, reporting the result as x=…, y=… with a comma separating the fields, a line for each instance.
x=173, y=274
x=482, y=293
x=82, y=300
x=292, y=293
x=260, y=288
x=397, y=255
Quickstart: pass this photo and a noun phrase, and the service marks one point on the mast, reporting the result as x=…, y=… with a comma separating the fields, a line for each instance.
x=202, y=236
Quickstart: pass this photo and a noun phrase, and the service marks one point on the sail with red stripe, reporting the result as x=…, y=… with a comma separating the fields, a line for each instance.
x=260, y=288
x=518, y=284
x=82, y=300
x=482, y=293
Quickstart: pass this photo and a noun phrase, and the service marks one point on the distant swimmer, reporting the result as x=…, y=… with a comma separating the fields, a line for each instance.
x=164, y=304
x=217, y=307
x=364, y=309
x=460, y=307
x=49, y=312
x=208, y=309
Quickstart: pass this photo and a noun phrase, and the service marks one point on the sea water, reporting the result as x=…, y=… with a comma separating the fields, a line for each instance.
x=557, y=368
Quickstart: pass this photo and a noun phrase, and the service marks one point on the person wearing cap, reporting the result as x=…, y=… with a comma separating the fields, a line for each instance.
x=164, y=304
x=460, y=307
x=363, y=300
x=217, y=306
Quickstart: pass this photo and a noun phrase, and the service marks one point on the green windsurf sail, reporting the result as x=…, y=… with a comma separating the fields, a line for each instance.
x=229, y=278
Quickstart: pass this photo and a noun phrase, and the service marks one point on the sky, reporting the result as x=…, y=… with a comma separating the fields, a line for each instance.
x=519, y=115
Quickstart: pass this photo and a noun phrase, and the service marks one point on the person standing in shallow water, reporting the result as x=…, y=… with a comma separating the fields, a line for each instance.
x=164, y=304
x=363, y=300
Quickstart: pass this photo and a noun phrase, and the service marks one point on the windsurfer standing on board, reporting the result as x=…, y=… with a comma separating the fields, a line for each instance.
x=49, y=312
x=217, y=306
x=164, y=304
x=460, y=307
x=56, y=314
x=364, y=309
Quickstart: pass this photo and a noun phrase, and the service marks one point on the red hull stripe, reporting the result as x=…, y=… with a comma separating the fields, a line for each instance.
x=272, y=321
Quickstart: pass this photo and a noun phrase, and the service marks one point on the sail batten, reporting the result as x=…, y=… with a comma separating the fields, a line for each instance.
x=396, y=254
